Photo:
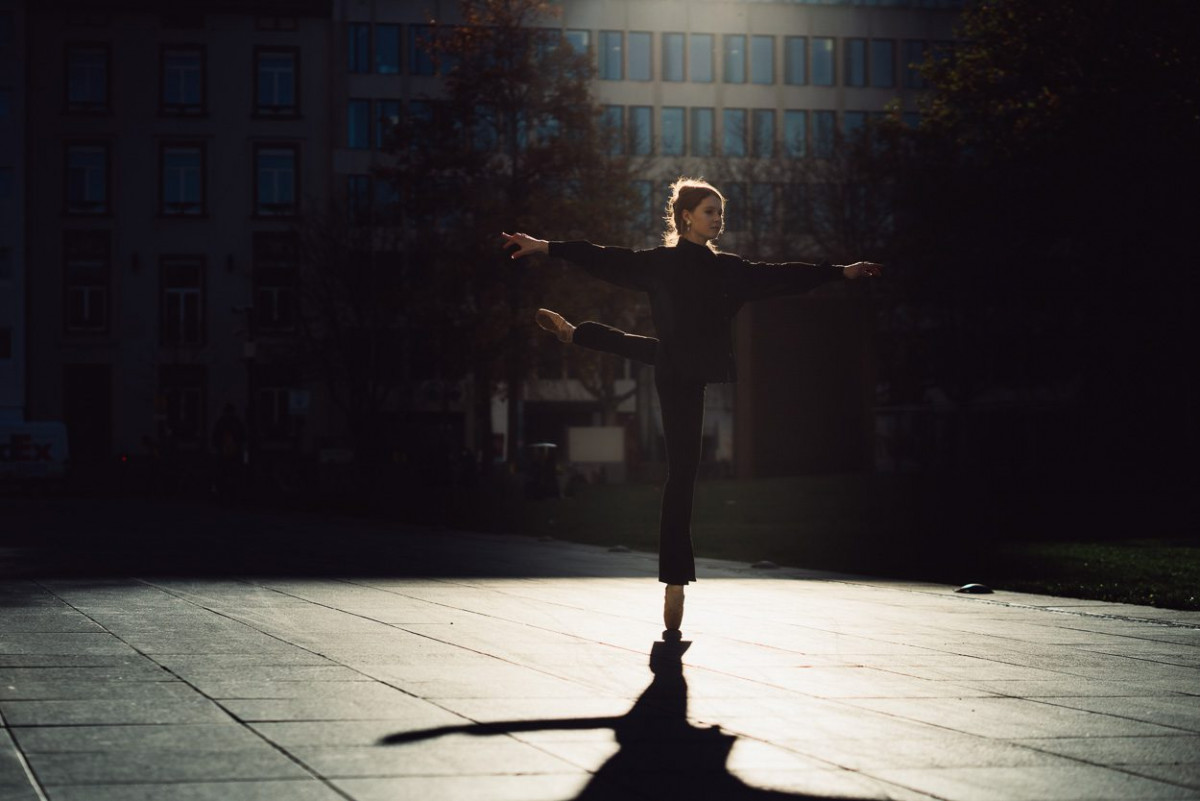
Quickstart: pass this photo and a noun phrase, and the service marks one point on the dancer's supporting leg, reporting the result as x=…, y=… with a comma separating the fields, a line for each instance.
x=682, y=403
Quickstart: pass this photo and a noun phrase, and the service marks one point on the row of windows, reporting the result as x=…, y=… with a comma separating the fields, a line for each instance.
x=735, y=132
x=182, y=183
x=630, y=55
x=182, y=296
x=182, y=80
x=696, y=131
x=183, y=69
x=806, y=60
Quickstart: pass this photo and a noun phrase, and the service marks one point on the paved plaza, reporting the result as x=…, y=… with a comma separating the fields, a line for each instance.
x=438, y=665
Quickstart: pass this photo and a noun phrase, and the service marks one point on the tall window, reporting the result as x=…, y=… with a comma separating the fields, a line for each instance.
x=182, y=389
x=275, y=281
x=387, y=201
x=854, y=125
x=273, y=385
x=824, y=130
x=735, y=58
x=275, y=87
x=763, y=131
x=182, y=187
x=762, y=59
x=640, y=57
x=644, y=218
x=702, y=131
x=822, y=61
x=275, y=180
x=883, y=62
x=358, y=125
x=614, y=127
x=856, y=62
x=87, y=78
x=87, y=179
x=578, y=40
x=182, y=80
x=420, y=50
x=86, y=268
x=387, y=117
x=795, y=60
x=795, y=133
x=612, y=55
x=387, y=49
x=914, y=56
x=672, y=131
x=181, y=308
x=700, y=58
x=358, y=198
x=733, y=121
x=358, y=47
x=641, y=130
x=672, y=56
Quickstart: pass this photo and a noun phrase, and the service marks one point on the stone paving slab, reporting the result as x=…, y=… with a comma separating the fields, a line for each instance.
x=540, y=673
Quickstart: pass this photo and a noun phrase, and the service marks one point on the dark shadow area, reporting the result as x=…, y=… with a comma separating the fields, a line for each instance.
x=662, y=755
x=97, y=537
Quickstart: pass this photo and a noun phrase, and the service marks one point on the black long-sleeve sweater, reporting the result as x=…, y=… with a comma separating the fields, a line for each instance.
x=694, y=295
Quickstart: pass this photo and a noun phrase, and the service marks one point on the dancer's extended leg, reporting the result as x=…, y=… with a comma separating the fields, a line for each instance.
x=605, y=338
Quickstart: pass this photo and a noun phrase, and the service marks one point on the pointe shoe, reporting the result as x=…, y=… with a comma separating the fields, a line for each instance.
x=673, y=607
x=555, y=323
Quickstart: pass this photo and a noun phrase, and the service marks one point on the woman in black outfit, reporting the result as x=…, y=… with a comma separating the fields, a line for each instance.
x=695, y=291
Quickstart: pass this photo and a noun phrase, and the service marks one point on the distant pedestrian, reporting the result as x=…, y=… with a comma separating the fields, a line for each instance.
x=695, y=291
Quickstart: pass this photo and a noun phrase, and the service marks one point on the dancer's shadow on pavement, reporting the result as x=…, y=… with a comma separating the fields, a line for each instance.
x=662, y=755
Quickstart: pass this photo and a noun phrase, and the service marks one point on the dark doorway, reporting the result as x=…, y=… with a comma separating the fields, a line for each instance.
x=87, y=411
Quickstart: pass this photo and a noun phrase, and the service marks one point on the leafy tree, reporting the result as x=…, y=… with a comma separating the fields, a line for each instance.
x=351, y=331
x=513, y=141
x=1044, y=206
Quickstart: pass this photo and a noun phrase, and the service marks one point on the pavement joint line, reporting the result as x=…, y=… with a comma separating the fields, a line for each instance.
x=133, y=580
x=34, y=784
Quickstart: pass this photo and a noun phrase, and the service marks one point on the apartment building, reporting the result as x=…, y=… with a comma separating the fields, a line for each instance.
x=170, y=147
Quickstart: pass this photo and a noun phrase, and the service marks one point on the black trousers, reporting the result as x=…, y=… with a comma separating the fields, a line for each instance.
x=682, y=403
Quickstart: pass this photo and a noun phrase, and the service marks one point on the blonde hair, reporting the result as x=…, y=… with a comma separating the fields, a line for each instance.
x=686, y=195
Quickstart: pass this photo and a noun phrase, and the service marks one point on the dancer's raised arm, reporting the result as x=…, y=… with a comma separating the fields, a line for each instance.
x=757, y=280
x=525, y=244
x=632, y=269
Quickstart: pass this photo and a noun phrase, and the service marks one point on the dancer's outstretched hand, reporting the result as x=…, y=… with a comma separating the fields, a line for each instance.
x=524, y=244
x=862, y=269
